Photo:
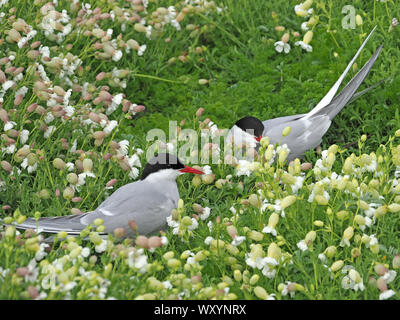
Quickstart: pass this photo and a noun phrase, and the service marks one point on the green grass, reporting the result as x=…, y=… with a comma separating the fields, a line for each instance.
x=246, y=77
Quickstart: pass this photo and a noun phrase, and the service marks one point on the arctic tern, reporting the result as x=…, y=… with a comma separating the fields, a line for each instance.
x=148, y=202
x=307, y=129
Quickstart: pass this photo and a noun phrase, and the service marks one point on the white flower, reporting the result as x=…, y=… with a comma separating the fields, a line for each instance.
x=205, y=214
x=302, y=12
x=134, y=173
x=304, y=26
x=304, y=46
x=101, y=247
x=268, y=267
x=389, y=276
x=207, y=169
x=70, y=166
x=24, y=135
x=138, y=260
x=322, y=257
x=302, y=245
x=208, y=240
x=270, y=230
x=243, y=168
x=282, y=46
x=353, y=280
x=41, y=253
x=124, y=146
x=9, y=125
x=194, y=225
x=82, y=178
x=238, y=240
x=7, y=85
x=110, y=127
x=134, y=160
x=49, y=117
x=117, y=55
x=286, y=291
x=167, y=285
x=141, y=50
x=386, y=294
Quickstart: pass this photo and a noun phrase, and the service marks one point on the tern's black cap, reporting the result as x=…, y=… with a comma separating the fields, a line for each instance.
x=160, y=162
x=251, y=125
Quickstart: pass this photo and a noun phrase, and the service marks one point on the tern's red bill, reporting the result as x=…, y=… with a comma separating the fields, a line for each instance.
x=191, y=170
x=258, y=138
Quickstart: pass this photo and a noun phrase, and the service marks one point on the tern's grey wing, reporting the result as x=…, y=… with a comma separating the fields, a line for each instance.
x=304, y=134
x=71, y=224
x=148, y=204
x=268, y=124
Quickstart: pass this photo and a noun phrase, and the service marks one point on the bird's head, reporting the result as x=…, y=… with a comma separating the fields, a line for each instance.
x=252, y=126
x=165, y=165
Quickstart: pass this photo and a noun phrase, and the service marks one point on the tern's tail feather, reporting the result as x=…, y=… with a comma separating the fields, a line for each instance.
x=70, y=224
x=331, y=93
x=337, y=104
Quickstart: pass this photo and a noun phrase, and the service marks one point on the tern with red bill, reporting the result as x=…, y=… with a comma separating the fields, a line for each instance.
x=306, y=130
x=145, y=203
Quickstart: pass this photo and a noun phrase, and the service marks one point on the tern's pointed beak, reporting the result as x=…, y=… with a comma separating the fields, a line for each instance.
x=191, y=170
x=258, y=138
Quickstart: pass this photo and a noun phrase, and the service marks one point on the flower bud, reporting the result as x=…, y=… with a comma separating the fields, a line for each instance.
x=254, y=279
x=381, y=284
x=260, y=293
x=142, y=241
x=119, y=232
x=348, y=233
x=308, y=37
x=286, y=131
x=321, y=200
x=337, y=265
x=394, y=207
x=232, y=231
x=68, y=193
x=87, y=165
x=59, y=164
x=6, y=166
x=208, y=178
x=155, y=242
x=318, y=223
x=273, y=220
x=342, y=214
x=174, y=263
x=348, y=166
x=359, y=20
x=199, y=112
x=310, y=237
x=72, y=178
x=196, y=181
x=254, y=200
x=359, y=219
x=255, y=235
x=186, y=221
x=380, y=212
x=287, y=201
x=274, y=251
x=396, y=261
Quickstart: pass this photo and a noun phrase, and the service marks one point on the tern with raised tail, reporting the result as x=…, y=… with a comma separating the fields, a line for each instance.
x=147, y=203
x=306, y=130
